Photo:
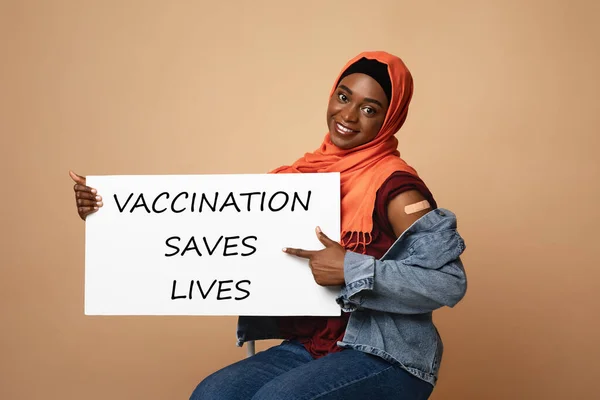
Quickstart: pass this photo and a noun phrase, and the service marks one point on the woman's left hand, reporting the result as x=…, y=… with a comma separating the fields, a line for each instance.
x=327, y=265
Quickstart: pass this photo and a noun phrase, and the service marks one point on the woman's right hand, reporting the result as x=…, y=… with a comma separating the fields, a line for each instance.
x=86, y=198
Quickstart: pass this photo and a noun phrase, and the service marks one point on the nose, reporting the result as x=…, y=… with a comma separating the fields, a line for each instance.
x=349, y=113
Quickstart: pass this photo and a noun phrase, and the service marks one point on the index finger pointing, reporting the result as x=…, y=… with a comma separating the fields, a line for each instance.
x=299, y=252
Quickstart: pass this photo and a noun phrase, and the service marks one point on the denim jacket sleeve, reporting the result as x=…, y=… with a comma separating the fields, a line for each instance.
x=421, y=272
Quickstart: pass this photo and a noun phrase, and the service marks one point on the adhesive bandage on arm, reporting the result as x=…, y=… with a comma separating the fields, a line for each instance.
x=416, y=207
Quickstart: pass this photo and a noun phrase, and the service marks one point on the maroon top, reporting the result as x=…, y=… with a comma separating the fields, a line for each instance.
x=320, y=335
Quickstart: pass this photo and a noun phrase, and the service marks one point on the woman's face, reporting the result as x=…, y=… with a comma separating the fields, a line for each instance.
x=356, y=111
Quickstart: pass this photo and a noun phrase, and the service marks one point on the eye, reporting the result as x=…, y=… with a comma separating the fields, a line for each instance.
x=342, y=97
x=369, y=111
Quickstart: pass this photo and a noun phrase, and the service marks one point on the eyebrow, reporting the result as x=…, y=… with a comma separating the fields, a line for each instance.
x=347, y=89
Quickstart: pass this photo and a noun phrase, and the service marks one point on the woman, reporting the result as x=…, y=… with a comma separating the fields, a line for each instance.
x=398, y=261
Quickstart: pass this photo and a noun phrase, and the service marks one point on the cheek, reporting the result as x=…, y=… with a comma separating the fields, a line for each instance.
x=372, y=127
x=332, y=108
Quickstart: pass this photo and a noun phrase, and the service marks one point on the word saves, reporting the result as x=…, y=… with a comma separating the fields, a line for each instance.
x=226, y=245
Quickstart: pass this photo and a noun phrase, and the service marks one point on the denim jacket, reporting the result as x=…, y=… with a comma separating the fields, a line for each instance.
x=391, y=300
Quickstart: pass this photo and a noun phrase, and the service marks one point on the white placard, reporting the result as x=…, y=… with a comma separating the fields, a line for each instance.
x=209, y=244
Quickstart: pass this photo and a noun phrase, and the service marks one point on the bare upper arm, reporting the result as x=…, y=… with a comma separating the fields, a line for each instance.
x=397, y=215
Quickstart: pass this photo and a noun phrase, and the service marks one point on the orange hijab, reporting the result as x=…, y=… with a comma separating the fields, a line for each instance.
x=365, y=168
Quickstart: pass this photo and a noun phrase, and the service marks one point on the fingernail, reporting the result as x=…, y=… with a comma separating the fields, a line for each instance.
x=98, y=198
x=93, y=190
x=318, y=229
x=284, y=249
x=95, y=208
x=100, y=204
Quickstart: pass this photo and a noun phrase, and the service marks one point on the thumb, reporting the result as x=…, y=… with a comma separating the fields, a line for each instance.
x=77, y=178
x=323, y=238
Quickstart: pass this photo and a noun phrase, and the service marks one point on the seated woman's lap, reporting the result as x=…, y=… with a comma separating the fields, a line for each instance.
x=288, y=372
x=244, y=378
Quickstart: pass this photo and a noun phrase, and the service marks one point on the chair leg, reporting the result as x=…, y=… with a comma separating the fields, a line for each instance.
x=250, y=349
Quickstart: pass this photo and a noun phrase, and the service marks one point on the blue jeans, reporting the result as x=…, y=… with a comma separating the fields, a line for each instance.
x=288, y=372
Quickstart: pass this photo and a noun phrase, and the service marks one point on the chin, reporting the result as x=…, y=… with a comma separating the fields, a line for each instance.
x=340, y=142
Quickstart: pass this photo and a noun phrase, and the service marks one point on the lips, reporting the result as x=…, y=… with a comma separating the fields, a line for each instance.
x=343, y=129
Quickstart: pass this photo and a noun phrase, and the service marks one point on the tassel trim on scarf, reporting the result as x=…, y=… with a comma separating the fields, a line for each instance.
x=356, y=241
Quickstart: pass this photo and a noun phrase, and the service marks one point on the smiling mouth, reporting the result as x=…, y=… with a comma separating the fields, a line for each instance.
x=343, y=130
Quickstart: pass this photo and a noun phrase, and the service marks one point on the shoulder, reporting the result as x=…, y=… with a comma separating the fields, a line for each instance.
x=399, y=182
x=402, y=199
x=407, y=207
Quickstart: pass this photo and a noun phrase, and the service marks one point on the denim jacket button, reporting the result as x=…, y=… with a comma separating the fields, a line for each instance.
x=440, y=212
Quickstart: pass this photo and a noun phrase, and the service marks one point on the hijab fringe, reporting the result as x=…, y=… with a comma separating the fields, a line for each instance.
x=356, y=241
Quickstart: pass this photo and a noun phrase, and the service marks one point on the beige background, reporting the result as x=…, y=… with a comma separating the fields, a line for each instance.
x=503, y=128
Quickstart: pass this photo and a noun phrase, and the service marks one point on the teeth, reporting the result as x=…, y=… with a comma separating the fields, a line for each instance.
x=343, y=129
